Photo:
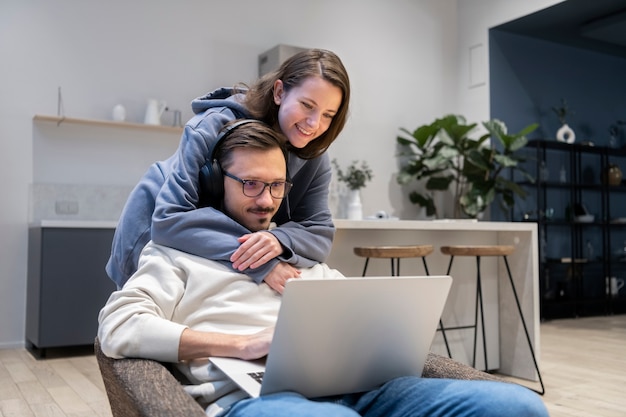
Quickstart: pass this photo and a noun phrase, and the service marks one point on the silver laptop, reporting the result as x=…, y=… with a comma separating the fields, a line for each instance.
x=339, y=336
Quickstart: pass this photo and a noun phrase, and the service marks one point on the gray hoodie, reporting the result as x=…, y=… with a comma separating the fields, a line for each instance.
x=165, y=205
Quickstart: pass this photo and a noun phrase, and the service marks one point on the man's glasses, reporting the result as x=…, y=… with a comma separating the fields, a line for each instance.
x=254, y=188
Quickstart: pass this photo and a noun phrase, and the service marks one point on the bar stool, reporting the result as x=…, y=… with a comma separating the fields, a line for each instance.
x=479, y=251
x=395, y=253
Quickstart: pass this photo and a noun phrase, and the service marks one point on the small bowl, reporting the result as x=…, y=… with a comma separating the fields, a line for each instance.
x=585, y=218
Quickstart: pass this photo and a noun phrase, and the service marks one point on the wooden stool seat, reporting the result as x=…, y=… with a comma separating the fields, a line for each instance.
x=407, y=251
x=478, y=250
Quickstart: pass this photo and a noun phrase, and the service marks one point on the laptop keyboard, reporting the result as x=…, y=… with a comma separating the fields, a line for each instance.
x=258, y=376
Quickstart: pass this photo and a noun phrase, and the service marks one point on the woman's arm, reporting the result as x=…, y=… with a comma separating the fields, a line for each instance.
x=305, y=222
x=178, y=223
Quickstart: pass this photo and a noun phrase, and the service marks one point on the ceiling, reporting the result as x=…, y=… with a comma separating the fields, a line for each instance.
x=598, y=25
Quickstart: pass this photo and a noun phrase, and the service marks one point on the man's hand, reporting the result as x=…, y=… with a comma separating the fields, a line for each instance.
x=278, y=276
x=257, y=345
x=256, y=249
x=197, y=344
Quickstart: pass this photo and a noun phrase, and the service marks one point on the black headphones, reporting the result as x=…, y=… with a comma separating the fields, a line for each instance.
x=211, y=185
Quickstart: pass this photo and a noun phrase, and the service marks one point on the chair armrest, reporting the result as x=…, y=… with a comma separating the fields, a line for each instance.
x=143, y=387
x=438, y=366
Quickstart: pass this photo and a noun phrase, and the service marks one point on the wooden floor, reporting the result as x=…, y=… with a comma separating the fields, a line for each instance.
x=583, y=365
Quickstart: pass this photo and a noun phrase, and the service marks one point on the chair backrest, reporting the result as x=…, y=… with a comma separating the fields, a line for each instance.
x=143, y=388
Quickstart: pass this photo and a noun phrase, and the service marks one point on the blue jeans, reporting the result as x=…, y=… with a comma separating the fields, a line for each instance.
x=404, y=397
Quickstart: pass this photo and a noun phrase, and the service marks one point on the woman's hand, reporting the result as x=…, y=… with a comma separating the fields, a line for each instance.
x=256, y=249
x=278, y=276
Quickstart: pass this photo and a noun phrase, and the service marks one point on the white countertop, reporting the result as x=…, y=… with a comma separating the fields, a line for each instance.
x=443, y=224
x=80, y=224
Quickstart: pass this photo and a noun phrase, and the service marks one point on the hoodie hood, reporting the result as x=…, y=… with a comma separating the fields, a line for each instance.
x=222, y=97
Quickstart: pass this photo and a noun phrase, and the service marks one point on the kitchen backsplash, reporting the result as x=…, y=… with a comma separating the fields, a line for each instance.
x=77, y=201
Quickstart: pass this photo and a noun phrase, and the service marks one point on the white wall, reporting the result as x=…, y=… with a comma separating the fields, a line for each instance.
x=401, y=56
x=476, y=17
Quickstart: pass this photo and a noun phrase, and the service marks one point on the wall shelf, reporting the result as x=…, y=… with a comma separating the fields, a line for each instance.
x=59, y=120
x=581, y=287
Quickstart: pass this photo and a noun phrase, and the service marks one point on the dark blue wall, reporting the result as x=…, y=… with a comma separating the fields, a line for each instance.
x=529, y=76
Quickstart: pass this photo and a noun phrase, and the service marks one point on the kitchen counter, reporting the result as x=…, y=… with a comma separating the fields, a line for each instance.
x=506, y=344
x=73, y=224
x=506, y=341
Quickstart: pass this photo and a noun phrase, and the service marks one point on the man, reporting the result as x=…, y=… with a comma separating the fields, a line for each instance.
x=182, y=308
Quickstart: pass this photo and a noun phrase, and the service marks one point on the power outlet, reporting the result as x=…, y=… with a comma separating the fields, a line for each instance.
x=66, y=207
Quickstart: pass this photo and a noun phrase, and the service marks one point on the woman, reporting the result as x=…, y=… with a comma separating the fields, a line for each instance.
x=306, y=99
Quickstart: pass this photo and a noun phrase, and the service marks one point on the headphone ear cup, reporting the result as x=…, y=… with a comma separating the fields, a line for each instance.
x=211, y=184
x=211, y=176
x=217, y=183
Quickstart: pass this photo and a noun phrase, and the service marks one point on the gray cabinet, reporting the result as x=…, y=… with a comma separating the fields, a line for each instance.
x=67, y=285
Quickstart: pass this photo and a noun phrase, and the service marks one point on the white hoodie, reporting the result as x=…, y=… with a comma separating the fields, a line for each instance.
x=173, y=290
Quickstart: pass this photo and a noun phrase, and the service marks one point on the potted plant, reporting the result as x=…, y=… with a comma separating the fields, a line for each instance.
x=444, y=155
x=355, y=177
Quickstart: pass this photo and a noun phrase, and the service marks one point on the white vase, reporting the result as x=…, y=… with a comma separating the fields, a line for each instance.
x=355, y=208
x=565, y=134
x=119, y=113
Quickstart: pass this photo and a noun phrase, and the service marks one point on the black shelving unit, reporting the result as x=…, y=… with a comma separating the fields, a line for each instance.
x=578, y=255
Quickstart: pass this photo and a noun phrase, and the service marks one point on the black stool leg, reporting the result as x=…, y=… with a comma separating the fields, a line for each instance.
x=365, y=267
x=450, y=265
x=441, y=328
x=479, y=300
x=519, y=309
x=425, y=266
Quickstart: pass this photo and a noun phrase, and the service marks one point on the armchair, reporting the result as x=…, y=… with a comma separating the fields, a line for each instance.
x=146, y=388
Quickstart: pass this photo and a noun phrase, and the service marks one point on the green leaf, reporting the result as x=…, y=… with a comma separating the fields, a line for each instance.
x=423, y=201
x=439, y=183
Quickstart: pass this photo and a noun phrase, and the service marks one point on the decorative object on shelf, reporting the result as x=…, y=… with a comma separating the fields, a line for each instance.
x=355, y=178
x=154, y=110
x=544, y=174
x=613, y=285
x=119, y=113
x=444, y=155
x=589, y=250
x=585, y=218
x=579, y=214
x=614, y=134
x=565, y=133
x=177, y=118
x=60, y=107
x=612, y=175
x=563, y=175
